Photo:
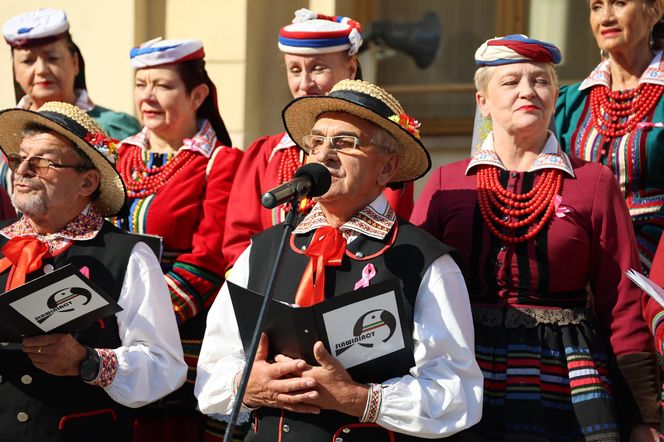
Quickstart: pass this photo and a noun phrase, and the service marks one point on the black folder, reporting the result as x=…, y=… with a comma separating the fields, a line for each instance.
x=155, y=242
x=63, y=301
x=367, y=330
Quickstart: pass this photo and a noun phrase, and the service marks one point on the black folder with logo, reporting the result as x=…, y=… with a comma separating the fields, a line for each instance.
x=367, y=330
x=63, y=301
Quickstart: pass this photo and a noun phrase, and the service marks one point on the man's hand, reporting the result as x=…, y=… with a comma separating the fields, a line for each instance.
x=278, y=384
x=57, y=354
x=643, y=433
x=336, y=389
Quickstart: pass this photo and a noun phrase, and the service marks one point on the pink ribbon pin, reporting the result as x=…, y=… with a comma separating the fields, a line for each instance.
x=644, y=124
x=85, y=271
x=368, y=273
x=560, y=210
x=197, y=143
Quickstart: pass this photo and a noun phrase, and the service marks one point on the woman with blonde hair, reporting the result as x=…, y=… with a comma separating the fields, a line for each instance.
x=540, y=231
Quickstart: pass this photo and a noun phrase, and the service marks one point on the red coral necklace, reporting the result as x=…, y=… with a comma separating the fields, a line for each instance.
x=608, y=107
x=142, y=181
x=290, y=162
x=526, y=208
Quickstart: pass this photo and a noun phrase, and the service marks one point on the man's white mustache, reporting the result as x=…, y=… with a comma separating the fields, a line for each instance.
x=33, y=184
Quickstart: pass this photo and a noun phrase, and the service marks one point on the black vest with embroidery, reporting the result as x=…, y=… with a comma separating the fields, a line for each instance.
x=406, y=253
x=36, y=406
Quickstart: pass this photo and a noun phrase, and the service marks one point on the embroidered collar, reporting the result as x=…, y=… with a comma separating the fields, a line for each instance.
x=203, y=142
x=85, y=226
x=82, y=101
x=551, y=157
x=375, y=220
x=601, y=75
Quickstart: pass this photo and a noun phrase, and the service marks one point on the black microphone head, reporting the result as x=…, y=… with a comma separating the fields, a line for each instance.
x=320, y=177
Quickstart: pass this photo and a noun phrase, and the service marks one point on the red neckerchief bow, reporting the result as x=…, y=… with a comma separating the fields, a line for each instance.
x=24, y=254
x=327, y=248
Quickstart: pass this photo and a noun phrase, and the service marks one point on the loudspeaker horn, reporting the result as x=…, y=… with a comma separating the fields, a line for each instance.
x=419, y=39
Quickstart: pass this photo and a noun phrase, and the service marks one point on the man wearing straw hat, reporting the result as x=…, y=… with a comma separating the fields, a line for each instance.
x=64, y=387
x=319, y=51
x=362, y=136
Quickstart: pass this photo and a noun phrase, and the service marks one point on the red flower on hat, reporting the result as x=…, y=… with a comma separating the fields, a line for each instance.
x=409, y=123
x=105, y=145
x=95, y=139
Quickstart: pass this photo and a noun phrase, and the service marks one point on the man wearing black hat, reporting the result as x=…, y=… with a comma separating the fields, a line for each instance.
x=64, y=387
x=362, y=136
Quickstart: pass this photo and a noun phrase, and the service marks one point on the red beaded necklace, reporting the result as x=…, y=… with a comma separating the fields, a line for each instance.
x=290, y=162
x=609, y=106
x=526, y=207
x=142, y=181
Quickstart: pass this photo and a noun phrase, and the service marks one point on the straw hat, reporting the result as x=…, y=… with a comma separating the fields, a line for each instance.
x=371, y=103
x=71, y=122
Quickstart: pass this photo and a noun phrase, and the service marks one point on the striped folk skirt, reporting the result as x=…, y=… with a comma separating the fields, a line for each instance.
x=546, y=376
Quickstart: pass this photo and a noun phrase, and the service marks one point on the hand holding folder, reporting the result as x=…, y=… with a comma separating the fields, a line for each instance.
x=367, y=330
x=63, y=301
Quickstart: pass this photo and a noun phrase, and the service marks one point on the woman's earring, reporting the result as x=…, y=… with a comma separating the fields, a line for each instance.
x=603, y=54
x=651, y=41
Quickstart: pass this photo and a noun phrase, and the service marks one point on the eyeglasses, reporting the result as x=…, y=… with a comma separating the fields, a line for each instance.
x=311, y=143
x=38, y=165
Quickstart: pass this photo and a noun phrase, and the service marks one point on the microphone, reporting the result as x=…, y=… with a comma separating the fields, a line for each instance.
x=312, y=179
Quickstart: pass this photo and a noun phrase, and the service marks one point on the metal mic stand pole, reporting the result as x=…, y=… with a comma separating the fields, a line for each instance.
x=289, y=225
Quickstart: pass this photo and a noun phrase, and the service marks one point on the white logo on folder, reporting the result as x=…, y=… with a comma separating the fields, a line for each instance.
x=364, y=330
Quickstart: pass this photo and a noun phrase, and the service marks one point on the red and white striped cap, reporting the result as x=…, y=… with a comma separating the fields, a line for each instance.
x=313, y=33
x=516, y=48
x=157, y=52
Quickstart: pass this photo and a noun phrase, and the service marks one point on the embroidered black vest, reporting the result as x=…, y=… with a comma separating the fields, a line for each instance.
x=406, y=253
x=36, y=406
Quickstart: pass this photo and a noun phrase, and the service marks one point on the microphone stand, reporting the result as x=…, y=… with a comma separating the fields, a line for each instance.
x=288, y=225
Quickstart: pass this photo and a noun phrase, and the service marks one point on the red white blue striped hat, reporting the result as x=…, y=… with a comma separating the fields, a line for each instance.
x=516, y=48
x=313, y=33
x=157, y=52
x=35, y=28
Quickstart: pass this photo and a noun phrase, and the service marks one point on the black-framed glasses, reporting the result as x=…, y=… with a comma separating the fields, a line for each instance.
x=311, y=143
x=39, y=165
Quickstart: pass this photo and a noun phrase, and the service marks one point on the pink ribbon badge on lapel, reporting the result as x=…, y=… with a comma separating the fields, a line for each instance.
x=644, y=124
x=560, y=210
x=85, y=271
x=368, y=272
x=196, y=143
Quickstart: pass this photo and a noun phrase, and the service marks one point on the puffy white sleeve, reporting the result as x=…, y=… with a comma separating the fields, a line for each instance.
x=442, y=394
x=222, y=355
x=150, y=360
